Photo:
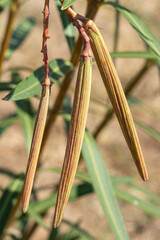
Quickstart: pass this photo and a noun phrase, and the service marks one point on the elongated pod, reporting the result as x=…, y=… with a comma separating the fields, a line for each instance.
x=75, y=136
x=35, y=146
x=117, y=96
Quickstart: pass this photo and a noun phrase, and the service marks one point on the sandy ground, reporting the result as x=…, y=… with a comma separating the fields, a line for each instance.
x=87, y=211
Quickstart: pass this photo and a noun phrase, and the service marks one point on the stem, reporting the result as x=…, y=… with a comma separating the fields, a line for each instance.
x=47, y=81
x=12, y=215
x=116, y=32
x=8, y=31
x=128, y=89
x=91, y=12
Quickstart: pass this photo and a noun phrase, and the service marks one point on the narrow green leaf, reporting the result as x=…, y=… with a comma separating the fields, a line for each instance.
x=26, y=116
x=43, y=205
x=80, y=175
x=4, y=4
x=103, y=187
x=7, y=122
x=37, y=218
x=143, y=31
x=7, y=86
x=153, y=197
x=54, y=234
x=8, y=201
x=67, y=109
x=81, y=233
x=153, y=133
x=19, y=35
x=147, y=207
x=69, y=29
x=7, y=172
x=128, y=54
x=31, y=85
x=67, y=3
x=15, y=79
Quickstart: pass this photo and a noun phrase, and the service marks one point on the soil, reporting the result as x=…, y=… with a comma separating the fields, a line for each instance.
x=87, y=211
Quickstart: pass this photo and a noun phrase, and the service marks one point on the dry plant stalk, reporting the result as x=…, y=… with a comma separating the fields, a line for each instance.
x=77, y=128
x=40, y=118
x=8, y=32
x=116, y=95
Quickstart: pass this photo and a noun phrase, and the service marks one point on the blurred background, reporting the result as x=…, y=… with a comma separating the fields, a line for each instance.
x=86, y=211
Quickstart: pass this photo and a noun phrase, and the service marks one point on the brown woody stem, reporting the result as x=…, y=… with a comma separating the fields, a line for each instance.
x=46, y=35
x=128, y=89
x=8, y=31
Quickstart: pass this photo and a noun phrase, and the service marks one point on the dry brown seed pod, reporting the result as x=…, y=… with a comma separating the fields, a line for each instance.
x=116, y=95
x=35, y=146
x=75, y=136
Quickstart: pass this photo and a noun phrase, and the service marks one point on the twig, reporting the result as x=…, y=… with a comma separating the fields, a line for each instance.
x=47, y=81
x=8, y=31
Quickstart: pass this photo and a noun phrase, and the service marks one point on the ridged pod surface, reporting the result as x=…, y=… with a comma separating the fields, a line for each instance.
x=116, y=95
x=35, y=146
x=75, y=136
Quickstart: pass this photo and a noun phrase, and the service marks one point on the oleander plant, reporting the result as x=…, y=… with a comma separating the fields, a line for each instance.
x=83, y=173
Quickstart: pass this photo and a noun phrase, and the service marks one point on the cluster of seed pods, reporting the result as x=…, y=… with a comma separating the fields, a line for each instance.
x=92, y=40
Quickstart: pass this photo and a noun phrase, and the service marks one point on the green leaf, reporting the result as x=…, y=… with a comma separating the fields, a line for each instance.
x=139, y=203
x=103, y=187
x=153, y=133
x=67, y=3
x=7, y=122
x=7, y=172
x=7, y=86
x=15, y=79
x=79, y=175
x=101, y=181
x=128, y=54
x=143, y=31
x=69, y=29
x=54, y=234
x=66, y=108
x=153, y=197
x=31, y=85
x=12, y=236
x=37, y=218
x=26, y=116
x=8, y=201
x=81, y=233
x=43, y=205
x=4, y=4
x=19, y=35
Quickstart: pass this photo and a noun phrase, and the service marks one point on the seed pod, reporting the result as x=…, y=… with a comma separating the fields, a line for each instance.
x=35, y=146
x=75, y=136
x=117, y=96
